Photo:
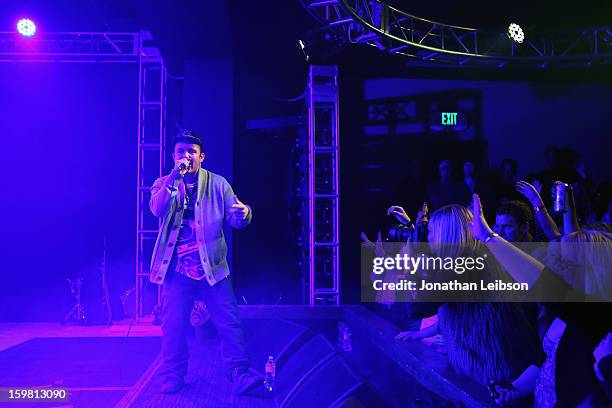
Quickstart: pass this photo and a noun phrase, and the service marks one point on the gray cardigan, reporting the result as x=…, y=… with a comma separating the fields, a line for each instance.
x=213, y=203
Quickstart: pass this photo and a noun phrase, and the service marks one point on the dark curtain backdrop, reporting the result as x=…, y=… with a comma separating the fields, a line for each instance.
x=68, y=141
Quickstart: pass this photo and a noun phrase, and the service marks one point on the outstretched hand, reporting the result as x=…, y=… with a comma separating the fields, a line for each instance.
x=399, y=213
x=530, y=192
x=478, y=226
x=408, y=336
x=506, y=396
x=240, y=210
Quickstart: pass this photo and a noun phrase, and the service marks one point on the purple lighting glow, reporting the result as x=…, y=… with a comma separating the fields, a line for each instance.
x=26, y=27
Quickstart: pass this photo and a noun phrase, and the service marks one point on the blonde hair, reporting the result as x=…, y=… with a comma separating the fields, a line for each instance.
x=591, y=251
x=449, y=234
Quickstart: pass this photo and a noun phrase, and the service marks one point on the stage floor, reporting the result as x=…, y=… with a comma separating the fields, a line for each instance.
x=115, y=366
x=102, y=367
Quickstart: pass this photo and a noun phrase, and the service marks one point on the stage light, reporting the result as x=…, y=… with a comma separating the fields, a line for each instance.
x=26, y=27
x=515, y=32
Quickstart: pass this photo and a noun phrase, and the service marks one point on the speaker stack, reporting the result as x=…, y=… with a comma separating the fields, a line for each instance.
x=309, y=370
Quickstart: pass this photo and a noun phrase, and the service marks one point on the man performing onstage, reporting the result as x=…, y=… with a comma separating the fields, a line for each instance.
x=190, y=260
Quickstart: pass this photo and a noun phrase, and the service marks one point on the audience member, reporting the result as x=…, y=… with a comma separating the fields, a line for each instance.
x=513, y=221
x=504, y=181
x=447, y=191
x=563, y=378
x=496, y=343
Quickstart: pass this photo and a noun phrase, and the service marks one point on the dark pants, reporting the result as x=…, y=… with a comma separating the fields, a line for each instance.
x=178, y=295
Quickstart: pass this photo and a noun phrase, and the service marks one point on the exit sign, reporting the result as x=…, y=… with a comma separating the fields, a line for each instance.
x=448, y=118
x=440, y=121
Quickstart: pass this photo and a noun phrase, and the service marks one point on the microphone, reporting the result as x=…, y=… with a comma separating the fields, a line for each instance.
x=184, y=166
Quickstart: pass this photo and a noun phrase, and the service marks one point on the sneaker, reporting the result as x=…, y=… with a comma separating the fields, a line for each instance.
x=246, y=380
x=172, y=384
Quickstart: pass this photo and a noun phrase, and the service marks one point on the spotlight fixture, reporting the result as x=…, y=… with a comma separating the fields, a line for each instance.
x=26, y=27
x=515, y=32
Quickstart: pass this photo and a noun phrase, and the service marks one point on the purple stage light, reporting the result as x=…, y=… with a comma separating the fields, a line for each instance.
x=26, y=27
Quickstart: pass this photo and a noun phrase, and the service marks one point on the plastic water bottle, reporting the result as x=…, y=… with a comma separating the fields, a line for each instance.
x=341, y=328
x=344, y=337
x=270, y=374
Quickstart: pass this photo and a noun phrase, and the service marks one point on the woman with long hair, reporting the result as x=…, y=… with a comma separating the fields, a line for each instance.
x=489, y=342
x=591, y=253
x=567, y=377
x=449, y=234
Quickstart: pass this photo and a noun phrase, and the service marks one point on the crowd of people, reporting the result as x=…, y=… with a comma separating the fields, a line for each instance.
x=538, y=353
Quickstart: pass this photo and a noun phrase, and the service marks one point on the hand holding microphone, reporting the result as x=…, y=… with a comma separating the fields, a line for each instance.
x=182, y=165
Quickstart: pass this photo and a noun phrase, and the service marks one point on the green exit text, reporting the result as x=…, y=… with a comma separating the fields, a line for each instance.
x=449, y=118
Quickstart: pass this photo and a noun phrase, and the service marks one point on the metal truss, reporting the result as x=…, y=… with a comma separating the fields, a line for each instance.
x=378, y=24
x=152, y=109
x=75, y=47
x=134, y=48
x=323, y=186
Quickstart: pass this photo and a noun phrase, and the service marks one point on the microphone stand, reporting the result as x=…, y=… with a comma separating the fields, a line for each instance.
x=105, y=298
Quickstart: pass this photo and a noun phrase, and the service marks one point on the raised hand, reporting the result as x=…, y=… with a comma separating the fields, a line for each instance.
x=530, y=192
x=538, y=186
x=581, y=169
x=378, y=247
x=478, y=226
x=423, y=215
x=399, y=213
